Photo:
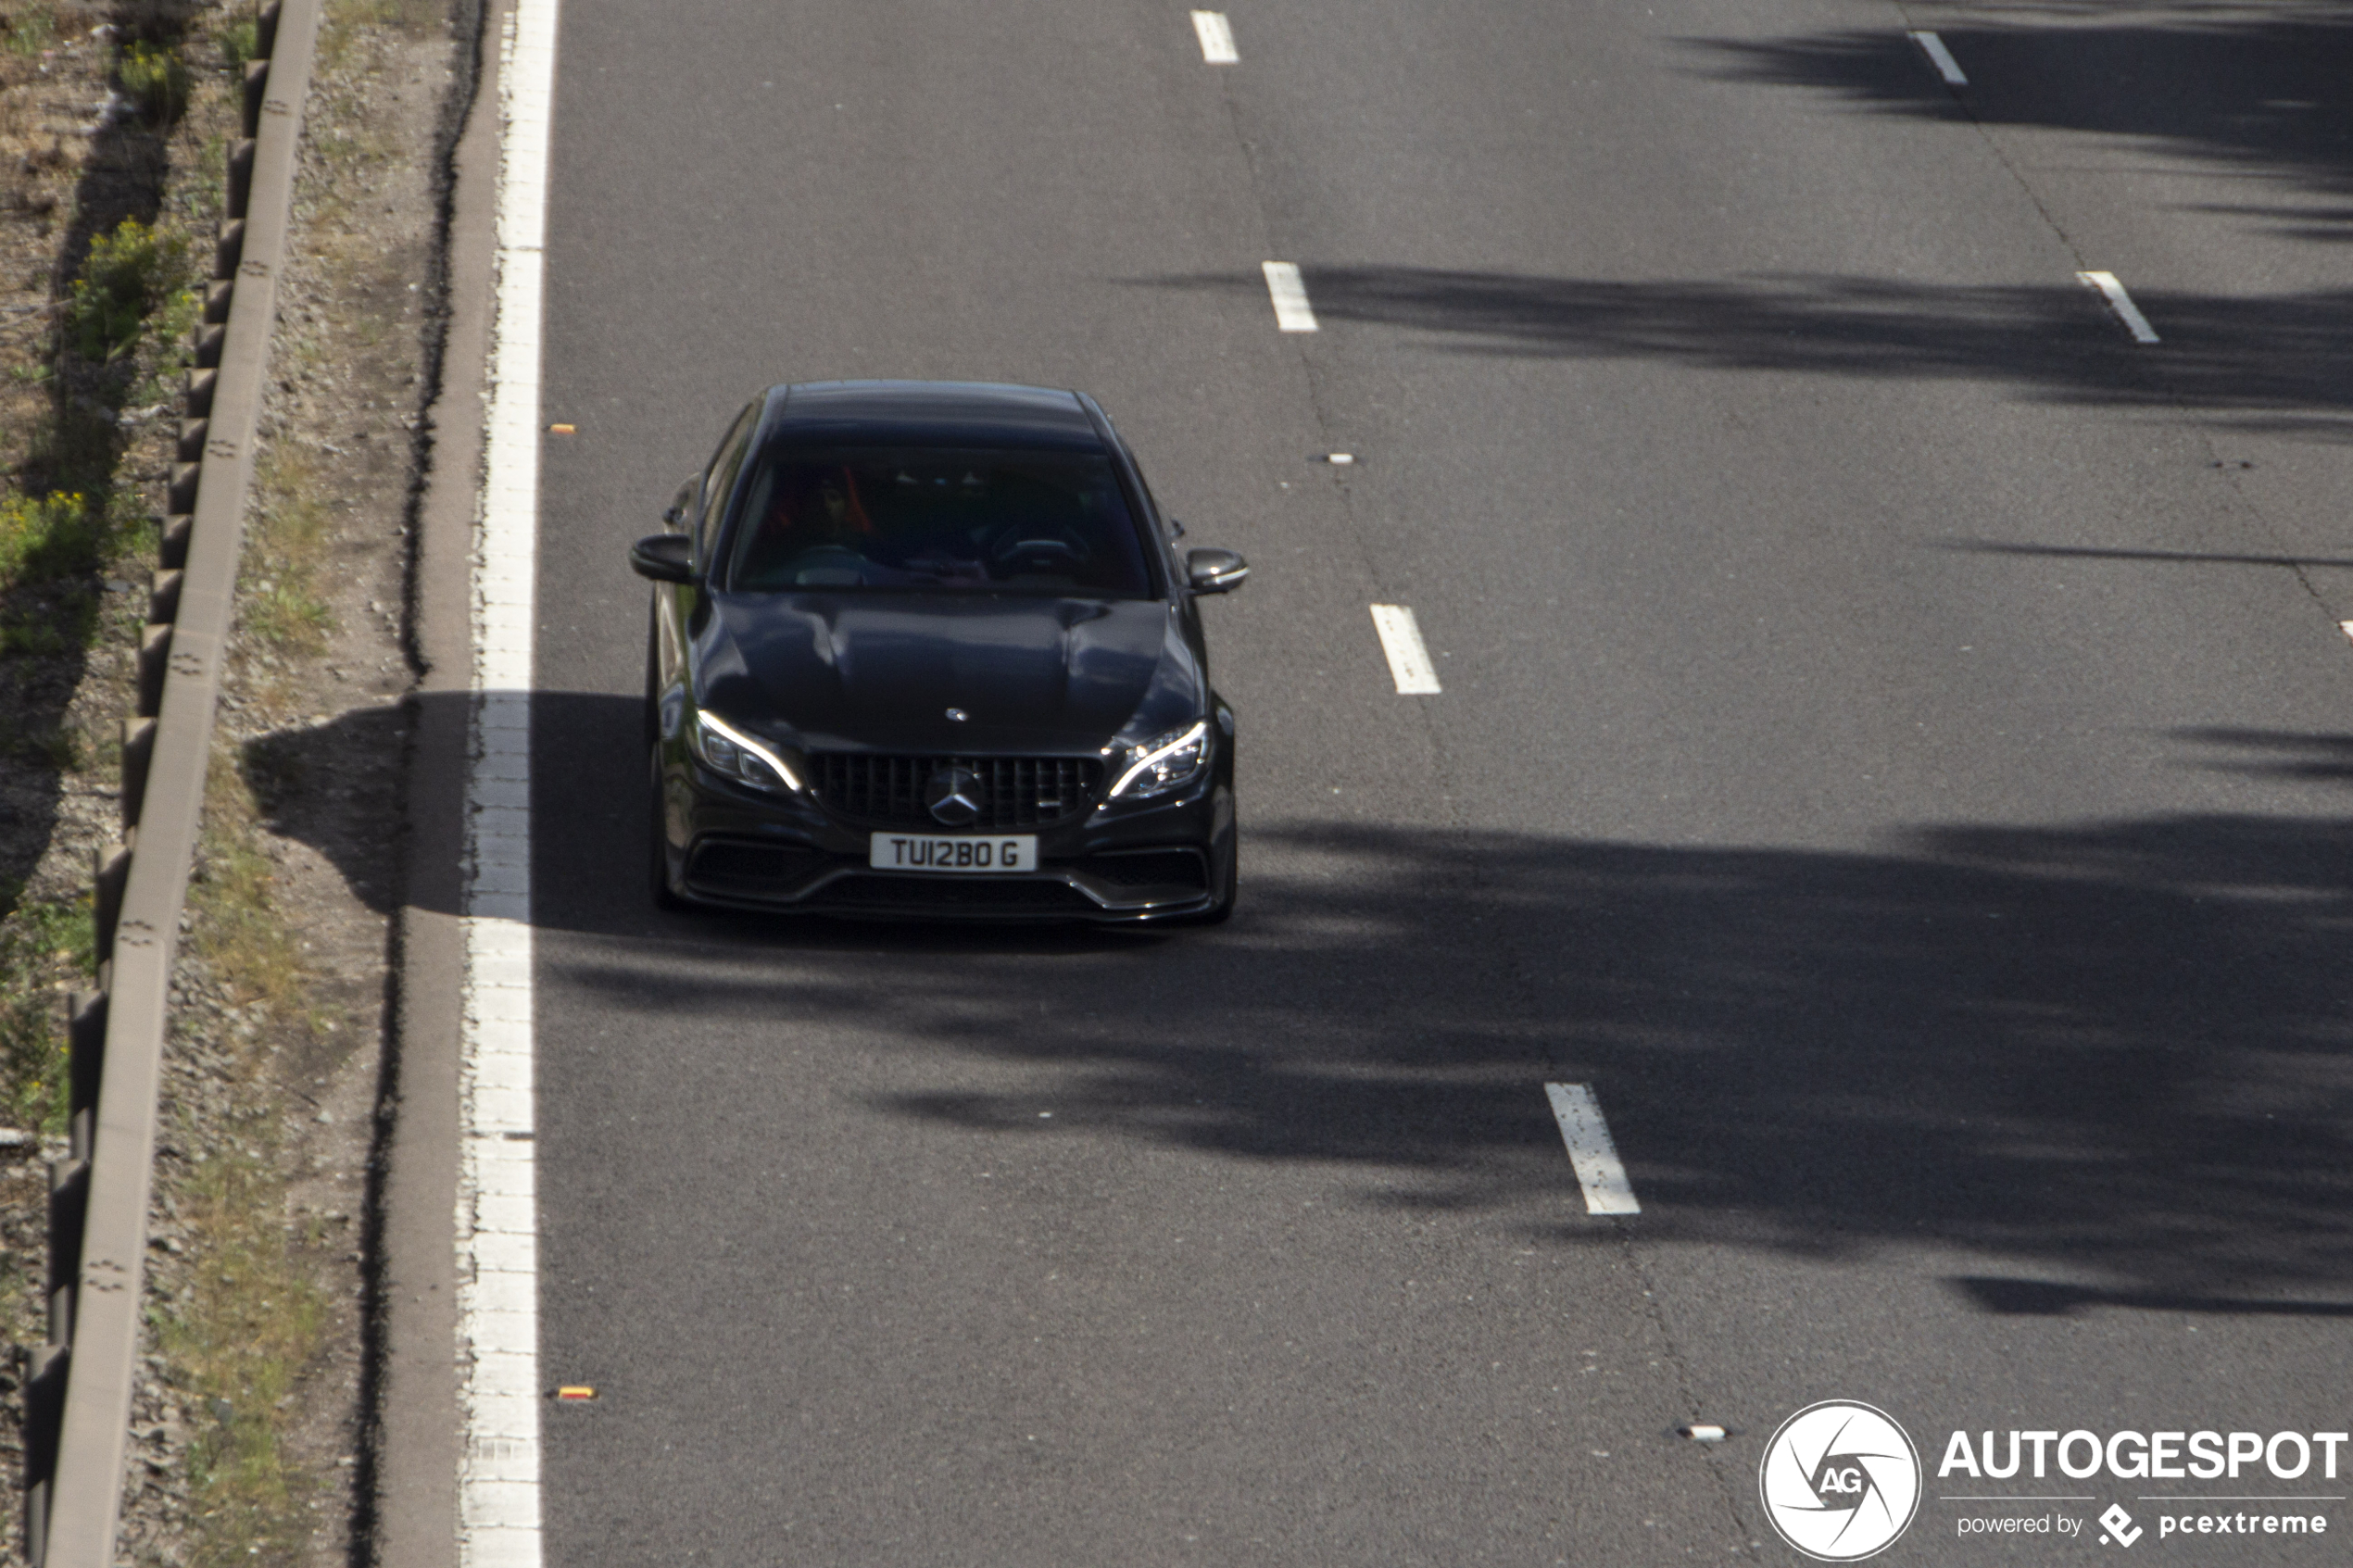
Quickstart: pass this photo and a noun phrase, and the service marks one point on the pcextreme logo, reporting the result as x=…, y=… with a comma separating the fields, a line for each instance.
x=1840, y=1481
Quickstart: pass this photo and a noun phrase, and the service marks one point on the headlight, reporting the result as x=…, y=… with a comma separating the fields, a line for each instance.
x=1162, y=763
x=727, y=751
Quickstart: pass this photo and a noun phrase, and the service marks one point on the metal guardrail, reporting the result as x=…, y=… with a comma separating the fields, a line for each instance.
x=78, y=1398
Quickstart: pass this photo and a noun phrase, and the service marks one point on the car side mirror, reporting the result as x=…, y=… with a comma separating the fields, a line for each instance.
x=1215, y=571
x=665, y=558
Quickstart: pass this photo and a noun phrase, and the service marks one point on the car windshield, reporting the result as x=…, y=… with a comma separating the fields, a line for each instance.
x=852, y=518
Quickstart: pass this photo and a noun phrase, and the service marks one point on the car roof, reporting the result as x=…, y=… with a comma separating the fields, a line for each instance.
x=928, y=413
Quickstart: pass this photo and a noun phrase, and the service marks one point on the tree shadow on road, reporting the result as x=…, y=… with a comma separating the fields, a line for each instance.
x=2119, y=1053
x=2274, y=362
x=2255, y=93
x=2111, y=1048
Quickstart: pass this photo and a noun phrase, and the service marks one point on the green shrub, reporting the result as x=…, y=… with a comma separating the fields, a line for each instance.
x=157, y=78
x=286, y=617
x=62, y=748
x=47, y=537
x=57, y=629
x=40, y=944
x=129, y=275
x=239, y=40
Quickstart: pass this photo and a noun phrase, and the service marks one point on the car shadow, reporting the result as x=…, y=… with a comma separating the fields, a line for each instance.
x=2115, y=1051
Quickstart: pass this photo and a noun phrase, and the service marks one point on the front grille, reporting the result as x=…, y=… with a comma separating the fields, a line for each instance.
x=1016, y=792
x=1153, y=868
x=734, y=866
x=950, y=894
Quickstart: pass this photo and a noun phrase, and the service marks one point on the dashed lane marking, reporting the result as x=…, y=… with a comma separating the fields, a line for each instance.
x=1288, y=291
x=1400, y=639
x=1590, y=1151
x=1946, y=65
x=2121, y=303
x=1216, y=35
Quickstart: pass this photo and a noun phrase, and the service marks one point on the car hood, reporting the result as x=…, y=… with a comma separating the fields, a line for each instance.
x=843, y=671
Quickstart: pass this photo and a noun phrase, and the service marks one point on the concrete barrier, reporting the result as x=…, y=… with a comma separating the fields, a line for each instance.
x=78, y=1400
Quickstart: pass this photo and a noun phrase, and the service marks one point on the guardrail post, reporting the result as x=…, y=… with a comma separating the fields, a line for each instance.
x=85, y=1055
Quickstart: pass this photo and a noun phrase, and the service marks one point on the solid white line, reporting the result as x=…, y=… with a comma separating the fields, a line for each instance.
x=1946, y=67
x=2346, y=627
x=2121, y=303
x=1590, y=1151
x=497, y=1184
x=1216, y=35
x=1289, y=292
x=1408, y=660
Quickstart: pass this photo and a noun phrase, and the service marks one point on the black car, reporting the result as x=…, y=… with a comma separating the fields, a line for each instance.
x=929, y=648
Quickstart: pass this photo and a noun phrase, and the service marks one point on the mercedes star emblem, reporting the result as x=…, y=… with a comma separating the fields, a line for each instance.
x=954, y=797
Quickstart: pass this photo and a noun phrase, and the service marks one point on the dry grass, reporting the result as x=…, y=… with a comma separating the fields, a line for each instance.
x=249, y=1321
x=281, y=606
x=237, y=930
x=32, y=28
x=251, y=1316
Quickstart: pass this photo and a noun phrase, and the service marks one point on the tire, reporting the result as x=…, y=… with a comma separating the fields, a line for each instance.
x=653, y=675
x=657, y=841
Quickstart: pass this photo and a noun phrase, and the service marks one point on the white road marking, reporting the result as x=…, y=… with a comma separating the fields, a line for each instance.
x=1289, y=292
x=2121, y=303
x=1408, y=660
x=498, y=1223
x=2346, y=627
x=1590, y=1151
x=1217, y=36
x=1946, y=65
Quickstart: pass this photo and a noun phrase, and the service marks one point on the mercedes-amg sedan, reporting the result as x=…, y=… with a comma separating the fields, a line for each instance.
x=930, y=649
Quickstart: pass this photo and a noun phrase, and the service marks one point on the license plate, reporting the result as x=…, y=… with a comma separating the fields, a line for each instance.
x=952, y=852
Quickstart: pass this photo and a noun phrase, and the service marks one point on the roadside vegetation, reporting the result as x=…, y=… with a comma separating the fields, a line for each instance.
x=254, y=1313
x=245, y=1420
x=89, y=406
x=243, y=1313
x=75, y=517
x=99, y=292
x=52, y=939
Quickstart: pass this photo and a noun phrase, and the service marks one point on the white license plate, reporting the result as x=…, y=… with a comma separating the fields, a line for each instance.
x=952, y=852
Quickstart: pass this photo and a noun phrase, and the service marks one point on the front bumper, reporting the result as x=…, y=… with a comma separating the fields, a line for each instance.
x=731, y=847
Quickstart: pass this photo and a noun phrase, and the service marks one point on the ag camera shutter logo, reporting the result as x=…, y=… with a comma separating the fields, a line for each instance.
x=1840, y=1481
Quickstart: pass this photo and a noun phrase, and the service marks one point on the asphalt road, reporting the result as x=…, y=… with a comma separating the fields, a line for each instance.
x=1892, y=748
